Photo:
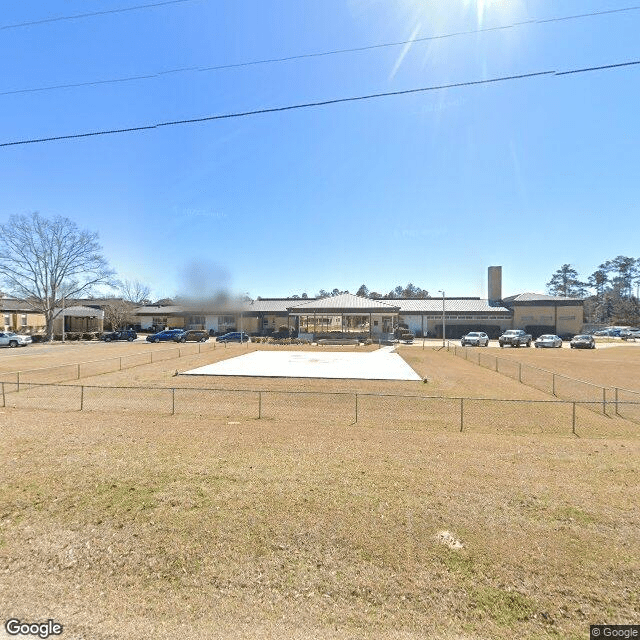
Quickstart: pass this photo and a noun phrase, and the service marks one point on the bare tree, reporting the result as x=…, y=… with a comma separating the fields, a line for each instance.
x=118, y=313
x=46, y=261
x=135, y=292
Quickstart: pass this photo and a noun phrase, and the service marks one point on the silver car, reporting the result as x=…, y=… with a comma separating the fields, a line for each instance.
x=475, y=339
x=630, y=334
x=549, y=341
x=10, y=339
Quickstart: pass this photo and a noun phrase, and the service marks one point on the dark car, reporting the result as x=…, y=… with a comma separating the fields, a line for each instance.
x=192, y=335
x=583, y=341
x=125, y=334
x=234, y=336
x=164, y=336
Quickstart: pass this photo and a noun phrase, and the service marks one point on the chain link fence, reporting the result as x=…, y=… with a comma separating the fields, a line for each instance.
x=385, y=411
x=606, y=400
x=79, y=370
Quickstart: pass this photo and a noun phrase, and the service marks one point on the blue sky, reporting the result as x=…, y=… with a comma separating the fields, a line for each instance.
x=430, y=188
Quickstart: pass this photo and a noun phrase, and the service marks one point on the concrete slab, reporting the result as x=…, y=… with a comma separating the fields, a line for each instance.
x=383, y=364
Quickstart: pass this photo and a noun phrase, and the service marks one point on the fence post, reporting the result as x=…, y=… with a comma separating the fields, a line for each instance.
x=356, y=421
x=4, y=404
x=120, y=363
x=461, y=414
x=553, y=384
x=81, y=397
x=173, y=402
x=78, y=371
x=496, y=364
x=616, y=400
x=520, y=372
x=604, y=400
x=259, y=405
x=152, y=357
x=573, y=429
x=18, y=389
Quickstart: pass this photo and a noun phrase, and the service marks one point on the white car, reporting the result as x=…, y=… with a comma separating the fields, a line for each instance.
x=475, y=339
x=630, y=334
x=549, y=341
x=10, y=339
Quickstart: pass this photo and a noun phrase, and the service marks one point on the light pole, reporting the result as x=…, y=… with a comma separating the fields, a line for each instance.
x=245, y=298
x=443, y=322
x=62, y=318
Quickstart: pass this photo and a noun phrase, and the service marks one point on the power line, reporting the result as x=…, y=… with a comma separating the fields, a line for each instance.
x=80, y=16
x=322, y=103
x=302, y=56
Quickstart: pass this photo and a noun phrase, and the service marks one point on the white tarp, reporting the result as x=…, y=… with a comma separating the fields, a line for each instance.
x=383, y=364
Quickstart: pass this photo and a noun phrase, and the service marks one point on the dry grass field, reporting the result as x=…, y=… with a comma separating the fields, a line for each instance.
x=139, y=525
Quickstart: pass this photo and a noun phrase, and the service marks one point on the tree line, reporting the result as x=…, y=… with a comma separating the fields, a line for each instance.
x=611, y=293
x=408, y=291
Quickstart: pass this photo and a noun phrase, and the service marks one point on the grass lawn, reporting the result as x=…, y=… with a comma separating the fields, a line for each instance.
x=141, y=525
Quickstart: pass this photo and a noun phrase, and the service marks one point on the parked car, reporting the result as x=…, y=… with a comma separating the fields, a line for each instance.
x=126, y=334
x=475, y=339
x=192, y=335
x=234, y=336
x=583, y=341
x=630, y=334
x=515, y=338
x=611, y=332
x=10, y=339
x=164, y=336
x=402, y=334
x=548, y=340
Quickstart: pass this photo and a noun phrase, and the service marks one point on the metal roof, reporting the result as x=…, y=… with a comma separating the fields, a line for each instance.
x=79, y=312
x=451, y=305
x=13, y=304
x=274, y=305
x=158, y=311
x=539, y=297
x=345, y=302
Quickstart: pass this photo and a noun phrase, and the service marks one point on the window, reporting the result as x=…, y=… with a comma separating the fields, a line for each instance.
x=7, y=319
x=23, y=319
x=159, y=321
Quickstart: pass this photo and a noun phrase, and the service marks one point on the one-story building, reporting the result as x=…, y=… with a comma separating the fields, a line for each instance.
x=351, y=314
x=20, y=316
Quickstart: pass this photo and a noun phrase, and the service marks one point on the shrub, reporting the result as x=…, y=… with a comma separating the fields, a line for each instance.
x=38, y=337
x=73, y=335
x=89, y=335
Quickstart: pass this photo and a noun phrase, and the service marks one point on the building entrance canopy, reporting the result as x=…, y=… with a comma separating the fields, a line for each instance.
x=345, y=313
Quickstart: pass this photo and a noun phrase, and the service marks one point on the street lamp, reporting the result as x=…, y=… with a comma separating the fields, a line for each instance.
x=443, y=322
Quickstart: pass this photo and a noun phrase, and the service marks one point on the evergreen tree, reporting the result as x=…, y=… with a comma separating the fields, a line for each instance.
x=564, y=282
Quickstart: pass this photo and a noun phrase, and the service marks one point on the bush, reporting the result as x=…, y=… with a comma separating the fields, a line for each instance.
x=89, y=335
x=73, y=335
x=38, y=337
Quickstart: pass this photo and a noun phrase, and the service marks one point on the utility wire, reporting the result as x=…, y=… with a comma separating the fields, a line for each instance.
x=303, y=56
x=322, y=103
x=80, y=16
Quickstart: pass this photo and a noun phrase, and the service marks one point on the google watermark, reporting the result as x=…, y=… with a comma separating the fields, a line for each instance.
x=16, y=627
x=626, y=631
